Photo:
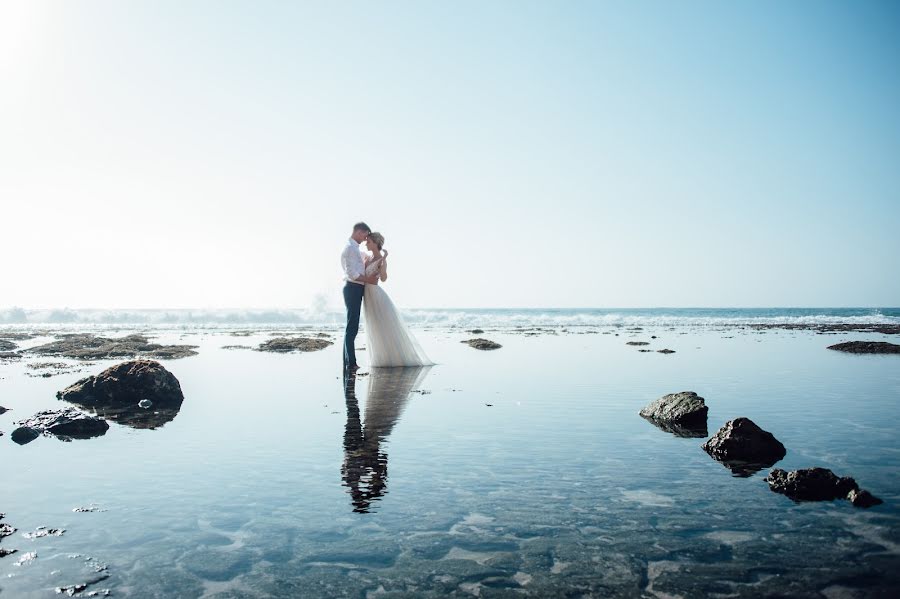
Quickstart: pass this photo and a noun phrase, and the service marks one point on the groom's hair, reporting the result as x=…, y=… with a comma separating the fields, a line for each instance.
x=360, y=226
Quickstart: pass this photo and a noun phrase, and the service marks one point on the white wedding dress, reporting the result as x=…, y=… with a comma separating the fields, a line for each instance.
x=390, y=342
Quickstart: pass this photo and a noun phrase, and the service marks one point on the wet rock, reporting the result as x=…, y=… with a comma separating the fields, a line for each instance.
x=10, y=355
x=293, y=344
x=43, y=531
x=73, y=590
x=637, y=343
x=66, y=424
x=867, y=347
x=483, y=344
x=3, y=410
x=86, y=346
x=682, y=414
x=819, y=484
x=810, y=484
x=862, y=498
x=477, y=332
x=7, y=345
x=87, y=508
x=665, y=351
x=5, y=552
x=24, y=434
x=236, y=347
x=117, y=394
x=6, y=530
x=743, y=447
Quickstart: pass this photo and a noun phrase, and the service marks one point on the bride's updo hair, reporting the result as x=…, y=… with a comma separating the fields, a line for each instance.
x=378, y=238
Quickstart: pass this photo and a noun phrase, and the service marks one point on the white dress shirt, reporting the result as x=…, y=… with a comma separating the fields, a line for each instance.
x=352, y=262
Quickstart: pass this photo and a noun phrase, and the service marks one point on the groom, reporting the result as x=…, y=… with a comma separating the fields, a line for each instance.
x=355, y=286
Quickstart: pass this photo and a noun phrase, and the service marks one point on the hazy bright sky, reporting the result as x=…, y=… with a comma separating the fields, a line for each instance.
x=594, y=154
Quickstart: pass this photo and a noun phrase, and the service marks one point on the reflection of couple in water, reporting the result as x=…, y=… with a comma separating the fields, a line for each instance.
x=365, y=463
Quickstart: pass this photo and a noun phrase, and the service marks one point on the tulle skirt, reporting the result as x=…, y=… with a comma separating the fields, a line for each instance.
x=390, y=342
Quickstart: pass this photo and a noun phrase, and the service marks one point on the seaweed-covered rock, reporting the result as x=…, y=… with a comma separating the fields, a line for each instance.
x=867, y=347
x=85, y=346
x=819, y=484
x=483, y=344
x=743, y=447
x=293, y=344
x=683, y=414
x=120, y=393
x=65, y=424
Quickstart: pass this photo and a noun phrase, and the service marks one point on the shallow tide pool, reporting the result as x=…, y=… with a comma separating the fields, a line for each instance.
x=520, y=471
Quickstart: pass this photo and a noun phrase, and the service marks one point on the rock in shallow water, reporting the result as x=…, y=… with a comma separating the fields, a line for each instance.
x=743, y=447
x=65, y=424
x=867, y=347
x=292, y=344
x=85, y=346
x=683, y=414
x=7, y=345
x=819, y=484
x=121, y=393
x=483, y=344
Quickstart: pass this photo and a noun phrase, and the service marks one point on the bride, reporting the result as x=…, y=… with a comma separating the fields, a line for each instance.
x=390, y=343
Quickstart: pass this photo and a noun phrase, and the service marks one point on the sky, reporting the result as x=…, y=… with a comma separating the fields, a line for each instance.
x=215, y=154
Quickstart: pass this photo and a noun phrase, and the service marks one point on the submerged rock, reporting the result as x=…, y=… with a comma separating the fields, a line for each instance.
x=85, y=346
x=819, y=484
x=683, y=414
x=637, y=343
x=867, y=347
x=743, y=447
x=65, y=424
x=293, y=344
x=123, y=393
x=483, y=344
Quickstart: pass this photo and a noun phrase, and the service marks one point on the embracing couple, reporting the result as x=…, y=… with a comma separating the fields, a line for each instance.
x=390, y=343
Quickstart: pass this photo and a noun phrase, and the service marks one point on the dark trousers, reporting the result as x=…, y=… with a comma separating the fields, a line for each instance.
x=353, y=297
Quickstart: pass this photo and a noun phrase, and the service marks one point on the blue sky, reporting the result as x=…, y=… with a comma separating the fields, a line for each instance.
x=514, y=154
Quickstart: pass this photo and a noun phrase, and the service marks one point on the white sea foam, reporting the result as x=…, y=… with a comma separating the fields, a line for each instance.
x=463, y=318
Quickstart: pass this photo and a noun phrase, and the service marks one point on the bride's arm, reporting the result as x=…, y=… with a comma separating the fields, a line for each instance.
x=383, y=270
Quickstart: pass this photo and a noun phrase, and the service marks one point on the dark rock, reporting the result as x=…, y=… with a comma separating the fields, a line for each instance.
x=66, y=424
x=3, y=410
x=683, y=414
x=484, y=344
x=10, y=355
x=743, y=447
x=5, y=552
x=862, y=498
x=7, y=345
x=292, y=344
x=477, y=332
x=117, y=394
x=867, y=347
x=6, y=530
x=24, y=434
x=636, y=343
x=236, y=347
x=810, y=484
x=75, y=590
x=665, y=351
x=85, y=346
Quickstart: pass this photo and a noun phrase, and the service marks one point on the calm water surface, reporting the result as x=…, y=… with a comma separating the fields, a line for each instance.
x=520, y=471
